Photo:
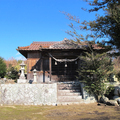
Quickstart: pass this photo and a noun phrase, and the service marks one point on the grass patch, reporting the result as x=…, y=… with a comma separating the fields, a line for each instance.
x=67, y=112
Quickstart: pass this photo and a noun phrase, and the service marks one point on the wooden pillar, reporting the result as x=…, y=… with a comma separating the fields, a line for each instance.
x=40, y=67
x=50, y=66
x=42, y=64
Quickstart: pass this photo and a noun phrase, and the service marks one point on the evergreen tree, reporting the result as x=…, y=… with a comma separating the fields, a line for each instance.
x=108, y=25
x=2, y=67
x=95, y=67
x=104, y=27
x=12, y=73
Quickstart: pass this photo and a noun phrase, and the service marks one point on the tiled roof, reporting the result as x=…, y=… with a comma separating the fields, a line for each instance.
x=65, y=44
x=97, y=47
x=37, y=46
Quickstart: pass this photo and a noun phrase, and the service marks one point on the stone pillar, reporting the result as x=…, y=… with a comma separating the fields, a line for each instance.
x=35, y=75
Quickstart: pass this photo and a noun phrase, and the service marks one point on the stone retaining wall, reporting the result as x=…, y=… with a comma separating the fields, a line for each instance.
x=28, y=94
x=34, y=94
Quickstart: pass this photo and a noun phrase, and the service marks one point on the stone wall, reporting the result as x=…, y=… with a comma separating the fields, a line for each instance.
x=87, y=97
x=28, y=94
x=35, y=94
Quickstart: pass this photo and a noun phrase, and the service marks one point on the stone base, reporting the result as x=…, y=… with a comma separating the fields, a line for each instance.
x=21, y=81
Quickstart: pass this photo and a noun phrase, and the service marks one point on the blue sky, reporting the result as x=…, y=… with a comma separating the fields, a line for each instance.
x=25, y=21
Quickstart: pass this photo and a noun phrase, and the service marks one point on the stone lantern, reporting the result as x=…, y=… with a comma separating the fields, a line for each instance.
x=22, y=75
x=35, y=75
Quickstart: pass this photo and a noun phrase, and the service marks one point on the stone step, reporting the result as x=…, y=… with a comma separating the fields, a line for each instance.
x=68, y=85
x=68, y=88
x=69, y=82
x=68, y=91
x=69, y=98
x=69, y=94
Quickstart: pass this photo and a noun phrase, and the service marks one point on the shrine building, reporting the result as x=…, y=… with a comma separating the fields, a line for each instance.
x=54, y=61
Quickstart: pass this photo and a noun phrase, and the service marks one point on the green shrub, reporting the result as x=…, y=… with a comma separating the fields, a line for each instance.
x=2, y=67
x=12, y=73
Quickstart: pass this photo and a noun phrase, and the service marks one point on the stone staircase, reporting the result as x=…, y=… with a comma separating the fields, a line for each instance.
x=69, y=93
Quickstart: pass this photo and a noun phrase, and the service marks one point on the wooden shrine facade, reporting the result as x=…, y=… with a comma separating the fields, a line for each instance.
x=54, y=61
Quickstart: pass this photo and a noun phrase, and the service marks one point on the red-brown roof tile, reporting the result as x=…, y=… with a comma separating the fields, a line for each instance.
x=65, y=44
x=37, y=46
x=95, y=46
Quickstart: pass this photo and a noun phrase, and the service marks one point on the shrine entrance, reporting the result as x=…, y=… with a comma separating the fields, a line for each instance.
x=65, y=71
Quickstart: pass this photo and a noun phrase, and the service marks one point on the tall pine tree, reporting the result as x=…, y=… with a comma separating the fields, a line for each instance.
x=108, y=25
